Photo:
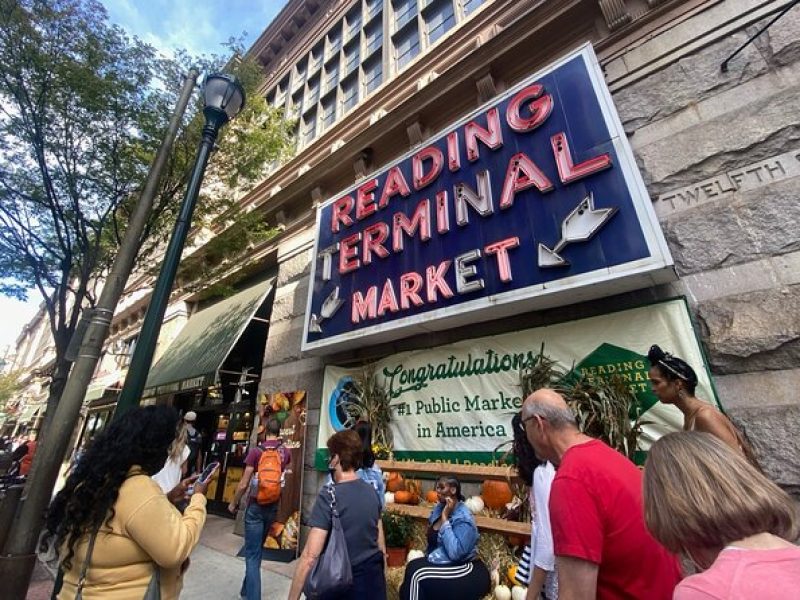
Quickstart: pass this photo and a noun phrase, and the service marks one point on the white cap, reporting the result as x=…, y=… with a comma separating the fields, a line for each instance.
x=190, y=416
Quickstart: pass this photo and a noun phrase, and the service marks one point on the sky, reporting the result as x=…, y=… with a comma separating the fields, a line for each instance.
x=199, y=26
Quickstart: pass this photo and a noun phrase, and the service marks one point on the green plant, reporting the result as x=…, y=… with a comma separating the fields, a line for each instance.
x=397, y=529
x=605, y=408
x=371, y=403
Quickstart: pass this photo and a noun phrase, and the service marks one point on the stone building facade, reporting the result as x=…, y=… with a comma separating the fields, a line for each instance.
x=719, y=152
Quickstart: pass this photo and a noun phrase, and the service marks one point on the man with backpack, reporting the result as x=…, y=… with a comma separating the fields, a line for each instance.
x=262, y=481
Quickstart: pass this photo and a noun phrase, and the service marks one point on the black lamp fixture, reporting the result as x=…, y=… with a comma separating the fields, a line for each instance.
x=223, y=99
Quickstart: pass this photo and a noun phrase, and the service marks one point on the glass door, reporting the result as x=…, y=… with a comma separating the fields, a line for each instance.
x=229, y=447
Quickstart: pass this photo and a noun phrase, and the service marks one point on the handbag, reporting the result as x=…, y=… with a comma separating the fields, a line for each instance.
x=153, y=591
x=333, y=572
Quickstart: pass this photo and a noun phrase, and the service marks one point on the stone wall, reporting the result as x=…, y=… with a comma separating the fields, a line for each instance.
x=720, y=154
x=285, y=369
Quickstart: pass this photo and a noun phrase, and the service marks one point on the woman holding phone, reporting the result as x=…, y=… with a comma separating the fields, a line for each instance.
x=116, y=532
x=450, y=567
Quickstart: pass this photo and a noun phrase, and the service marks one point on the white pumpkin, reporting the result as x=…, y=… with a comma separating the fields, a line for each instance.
x=414, y=554
x=519, y=593
x=501, y=592
x=388, y=497
x=474, y=504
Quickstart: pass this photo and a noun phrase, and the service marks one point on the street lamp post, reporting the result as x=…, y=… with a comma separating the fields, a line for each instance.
x=223, y=99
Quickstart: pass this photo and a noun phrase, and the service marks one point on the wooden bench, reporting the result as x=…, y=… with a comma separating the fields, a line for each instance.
x=467, y=473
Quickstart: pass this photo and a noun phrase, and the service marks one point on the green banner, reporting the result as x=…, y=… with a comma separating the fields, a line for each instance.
x=455, y=402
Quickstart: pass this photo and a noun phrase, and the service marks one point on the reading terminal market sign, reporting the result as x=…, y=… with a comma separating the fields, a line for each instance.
x=532, y=201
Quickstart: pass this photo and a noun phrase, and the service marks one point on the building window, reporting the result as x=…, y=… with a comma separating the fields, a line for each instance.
x=297, y=104
x=331, y=75
x=334, y=40
x=349, y=93
x=299, y=74
x=353, y=20
x=128, y=346
x=404, y=11
x=373, y=73
x=313, y=92
x=281, y=92
x=328, y=110
x=374, y=8
x=439, y=19
x=309, y=126
x=471, y=5
x=374, y=36
x=315, y=60
x=351, y=58
x=406, y=47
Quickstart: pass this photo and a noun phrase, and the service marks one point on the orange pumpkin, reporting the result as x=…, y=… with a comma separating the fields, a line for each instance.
x=395, y=483
x=403, y=497
x=432, y=496
x=496, y=494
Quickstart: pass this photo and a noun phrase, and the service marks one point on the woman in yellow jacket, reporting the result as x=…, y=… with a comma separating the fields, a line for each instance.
x=139, y=532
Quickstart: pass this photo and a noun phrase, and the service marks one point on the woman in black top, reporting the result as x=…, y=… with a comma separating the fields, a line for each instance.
x=359, y=512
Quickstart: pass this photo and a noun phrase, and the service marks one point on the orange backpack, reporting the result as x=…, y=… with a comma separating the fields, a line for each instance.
x=269, y=476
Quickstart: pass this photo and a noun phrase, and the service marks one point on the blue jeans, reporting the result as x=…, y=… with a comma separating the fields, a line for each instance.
x=257, y=521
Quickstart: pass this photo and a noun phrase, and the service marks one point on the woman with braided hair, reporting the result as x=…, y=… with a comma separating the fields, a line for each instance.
x=673, y=381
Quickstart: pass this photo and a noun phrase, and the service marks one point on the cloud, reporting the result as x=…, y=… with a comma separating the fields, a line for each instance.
x=199, y=27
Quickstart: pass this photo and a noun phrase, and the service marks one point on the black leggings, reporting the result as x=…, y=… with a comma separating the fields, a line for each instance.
x=426, y=581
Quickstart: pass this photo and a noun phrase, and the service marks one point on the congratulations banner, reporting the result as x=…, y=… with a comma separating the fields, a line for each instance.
x=456, y=402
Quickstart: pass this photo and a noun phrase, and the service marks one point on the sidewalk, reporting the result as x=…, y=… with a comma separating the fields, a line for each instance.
x=215, y=572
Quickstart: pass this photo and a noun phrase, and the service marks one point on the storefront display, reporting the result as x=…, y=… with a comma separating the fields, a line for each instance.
x=455, y=402
x=282, y=540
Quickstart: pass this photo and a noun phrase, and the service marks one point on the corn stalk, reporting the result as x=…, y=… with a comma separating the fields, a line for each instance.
x=370, y=402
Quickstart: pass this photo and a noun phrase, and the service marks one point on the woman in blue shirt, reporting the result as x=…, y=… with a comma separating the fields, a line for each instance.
x=450, y=568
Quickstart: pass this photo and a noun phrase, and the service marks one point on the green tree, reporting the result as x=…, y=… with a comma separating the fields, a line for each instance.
x=9, y=386
x=83, y=108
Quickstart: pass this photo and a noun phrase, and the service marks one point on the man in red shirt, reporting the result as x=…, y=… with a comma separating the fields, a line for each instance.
x=603, y=549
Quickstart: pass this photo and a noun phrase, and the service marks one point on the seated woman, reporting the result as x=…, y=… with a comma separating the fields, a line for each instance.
x=450, y=568
x=673, y=381
x=704, y=501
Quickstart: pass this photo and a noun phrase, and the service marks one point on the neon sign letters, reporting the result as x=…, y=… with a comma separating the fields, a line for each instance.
x=522, y=200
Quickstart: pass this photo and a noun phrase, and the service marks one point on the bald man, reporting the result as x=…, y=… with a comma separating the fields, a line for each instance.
x=603, y=549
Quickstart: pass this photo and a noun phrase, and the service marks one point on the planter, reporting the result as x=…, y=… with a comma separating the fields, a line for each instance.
x=396, y=557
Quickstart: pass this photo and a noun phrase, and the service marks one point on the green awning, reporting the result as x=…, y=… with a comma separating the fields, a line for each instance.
x=97, y=388
x=28, y=413
x=196, y=354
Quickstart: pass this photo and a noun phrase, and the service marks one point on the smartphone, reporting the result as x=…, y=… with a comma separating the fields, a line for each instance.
x=208, y=472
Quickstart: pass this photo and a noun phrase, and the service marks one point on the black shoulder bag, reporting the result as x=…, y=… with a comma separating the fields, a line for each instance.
x=332, y=573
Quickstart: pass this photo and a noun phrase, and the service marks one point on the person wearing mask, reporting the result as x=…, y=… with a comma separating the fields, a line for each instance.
x=737, y=526
x=451, y=567
x=270, y=456
x=360, y=516
x=539, y=574
x=174, y=469
x=603, y=549
x=194, y=439
x=674, y=382
x=115, y=530
x=369, y=471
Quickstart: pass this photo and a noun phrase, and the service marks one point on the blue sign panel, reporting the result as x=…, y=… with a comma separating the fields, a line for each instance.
x=530, y=202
